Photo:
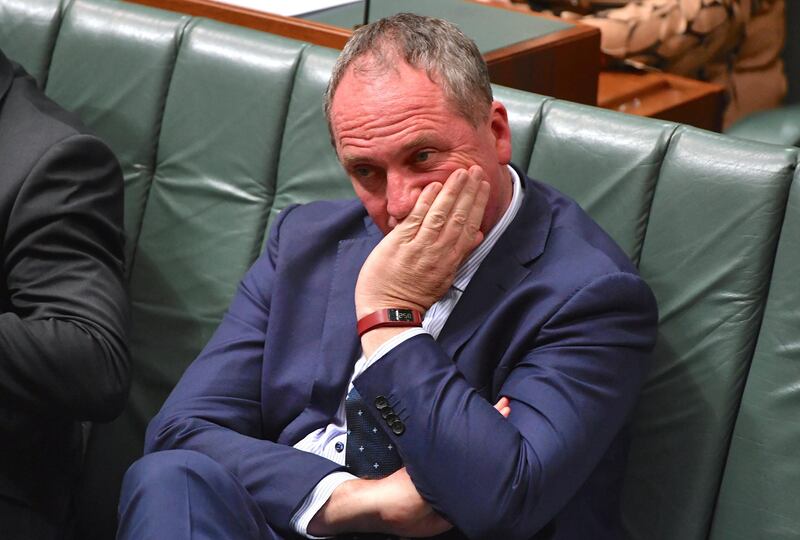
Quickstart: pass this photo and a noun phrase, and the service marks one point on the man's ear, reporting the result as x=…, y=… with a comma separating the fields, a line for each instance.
x=498, y=123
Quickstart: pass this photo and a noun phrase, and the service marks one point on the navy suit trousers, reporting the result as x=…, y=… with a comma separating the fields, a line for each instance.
x=183, y=495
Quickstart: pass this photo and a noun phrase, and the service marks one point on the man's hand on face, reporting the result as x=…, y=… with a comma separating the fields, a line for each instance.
x=415, y=264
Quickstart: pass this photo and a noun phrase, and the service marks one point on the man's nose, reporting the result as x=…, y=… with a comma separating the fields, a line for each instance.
x=400, y=196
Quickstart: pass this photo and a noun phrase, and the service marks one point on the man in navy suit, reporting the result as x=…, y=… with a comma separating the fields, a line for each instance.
x=507, y=406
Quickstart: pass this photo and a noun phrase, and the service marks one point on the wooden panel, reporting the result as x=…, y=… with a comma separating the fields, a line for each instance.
x=563, y=64
x=291, y=27
x=663, y=95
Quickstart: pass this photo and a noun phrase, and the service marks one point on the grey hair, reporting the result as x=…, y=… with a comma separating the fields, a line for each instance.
x=450, y=59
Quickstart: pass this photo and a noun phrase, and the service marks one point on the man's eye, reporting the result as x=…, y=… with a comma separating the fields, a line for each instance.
x=422, y=156
x=362, y=172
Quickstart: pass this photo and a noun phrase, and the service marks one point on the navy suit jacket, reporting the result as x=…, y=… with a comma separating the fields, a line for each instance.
x=556, y=318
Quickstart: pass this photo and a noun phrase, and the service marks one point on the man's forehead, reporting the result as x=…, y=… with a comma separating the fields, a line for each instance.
x=364, y=96
x=399, y=82
x=377, y=65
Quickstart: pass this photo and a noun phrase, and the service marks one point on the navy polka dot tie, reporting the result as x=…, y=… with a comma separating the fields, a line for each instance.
x=370, y=453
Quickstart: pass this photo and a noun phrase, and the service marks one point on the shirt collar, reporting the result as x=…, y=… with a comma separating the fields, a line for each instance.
x=471, y=264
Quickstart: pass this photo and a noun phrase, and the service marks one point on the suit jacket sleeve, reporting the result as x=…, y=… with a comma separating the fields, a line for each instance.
x=62, y=335
x=216, y=407
x=570, y=396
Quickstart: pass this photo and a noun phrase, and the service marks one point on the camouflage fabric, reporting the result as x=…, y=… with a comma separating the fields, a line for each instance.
x=734, y=43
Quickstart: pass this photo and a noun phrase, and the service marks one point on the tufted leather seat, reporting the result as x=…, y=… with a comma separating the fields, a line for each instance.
x=219, y=127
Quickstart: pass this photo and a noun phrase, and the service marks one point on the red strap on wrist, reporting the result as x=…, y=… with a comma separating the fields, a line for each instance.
x=389, y=317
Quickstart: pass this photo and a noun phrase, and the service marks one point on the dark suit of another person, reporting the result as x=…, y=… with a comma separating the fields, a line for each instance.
x=63, y=308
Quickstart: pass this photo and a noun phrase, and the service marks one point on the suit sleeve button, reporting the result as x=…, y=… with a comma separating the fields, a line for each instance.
x=398, y=428
x=392, y=418
x=387, y=412
x=381, y=402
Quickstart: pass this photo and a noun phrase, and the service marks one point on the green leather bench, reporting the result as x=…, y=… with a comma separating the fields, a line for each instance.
x=218, y=128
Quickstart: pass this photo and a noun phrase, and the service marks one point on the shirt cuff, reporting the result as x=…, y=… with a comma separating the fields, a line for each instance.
x=391, y=343
x=315, y=500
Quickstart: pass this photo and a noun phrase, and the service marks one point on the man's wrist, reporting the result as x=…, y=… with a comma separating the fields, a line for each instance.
x=389, y=318
x=364, y=308
x=316, y=500
x=350, y=508
x=372, y=340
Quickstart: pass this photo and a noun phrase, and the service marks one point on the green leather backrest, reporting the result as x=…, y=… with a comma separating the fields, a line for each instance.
x=758, y=496
x=707, y=254
x=118, y=86
x=28, y=33
x=308, y=167
x=218, y=128
x=213, y=188
x=609, y=163
x=700, y=213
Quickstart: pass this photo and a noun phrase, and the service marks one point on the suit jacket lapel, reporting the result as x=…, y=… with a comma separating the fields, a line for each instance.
x=340, y=345
x=506, y=265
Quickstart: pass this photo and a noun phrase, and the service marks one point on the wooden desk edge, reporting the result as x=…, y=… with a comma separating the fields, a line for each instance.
x=528, y=65
x=335, y=37
x=291, y=27
x=666, y=96
x=553, y=39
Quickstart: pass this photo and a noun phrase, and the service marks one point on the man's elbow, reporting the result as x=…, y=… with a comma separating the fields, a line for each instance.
x=108, y=399
x=113, y=400
x=104, y=379
x=516, y=512
x=518, y=521
x=154, y=435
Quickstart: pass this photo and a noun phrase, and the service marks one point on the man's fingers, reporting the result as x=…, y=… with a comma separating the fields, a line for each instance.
x=469, y=235
x=460, y=219
x=409, y=226
x=439, y=213
x=477, y=212
x=462, y=210
x=503, y=406
x=445, y=214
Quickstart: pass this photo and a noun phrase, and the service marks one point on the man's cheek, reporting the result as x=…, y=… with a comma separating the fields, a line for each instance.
x=377, y=211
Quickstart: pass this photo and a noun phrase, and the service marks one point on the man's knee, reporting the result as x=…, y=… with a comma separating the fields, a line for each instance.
x=178, y=491
x=161, y=469
x=172, y=476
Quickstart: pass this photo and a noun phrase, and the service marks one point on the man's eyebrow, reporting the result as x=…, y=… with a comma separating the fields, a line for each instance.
x=350, y=160
x=418, y=142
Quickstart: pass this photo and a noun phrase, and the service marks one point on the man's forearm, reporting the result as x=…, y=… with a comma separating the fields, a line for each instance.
x=391, y=505
x=350, y=508
x=62, y=367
